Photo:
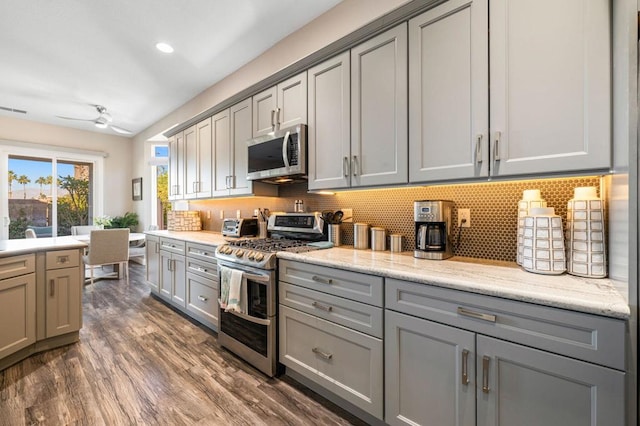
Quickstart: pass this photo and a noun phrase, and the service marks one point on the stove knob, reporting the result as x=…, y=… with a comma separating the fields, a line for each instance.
x=258, y=257
x=250, y=254
x=225, y=250
x=239, y=253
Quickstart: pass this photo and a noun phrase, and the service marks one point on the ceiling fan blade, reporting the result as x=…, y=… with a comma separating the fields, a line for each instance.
x=121, y=130
x=75, y=119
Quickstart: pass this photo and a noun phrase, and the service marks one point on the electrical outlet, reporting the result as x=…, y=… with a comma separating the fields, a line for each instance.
x=256, y=212
x=208, y=214
x=466, y=215
x=348, y=215
x=221, y=214
x=237, y=214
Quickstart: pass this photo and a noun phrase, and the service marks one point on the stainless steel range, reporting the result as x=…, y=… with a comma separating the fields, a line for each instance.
x=252, y=334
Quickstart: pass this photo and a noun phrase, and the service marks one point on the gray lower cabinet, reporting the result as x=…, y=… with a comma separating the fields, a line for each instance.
x=519, y=385
x=172, y=282
x=429, y=375
x=187, y=278
x=485, y=367
x=152, y=256
x=202, y=284
x=330, y=324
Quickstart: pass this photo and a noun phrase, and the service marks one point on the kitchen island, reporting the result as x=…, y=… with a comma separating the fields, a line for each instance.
x=40, y=295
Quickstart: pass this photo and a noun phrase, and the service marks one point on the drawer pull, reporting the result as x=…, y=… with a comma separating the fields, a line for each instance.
x=202, y=298
x=322, y=354
x=63, y=259
x=465, y=367
x=322, y=280
x=52, y=288
x=199, y=269
x=476, y=315
x=485, y=374
x=321, y=306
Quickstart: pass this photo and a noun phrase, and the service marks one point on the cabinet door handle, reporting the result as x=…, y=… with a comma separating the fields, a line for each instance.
x=322, y=307
x=496, y=146
x=465, y=367
x=356, y=165
x=479, y=149
x=52, y=287
x=345, y=166
x=322, y=280
x=273, y=122
x=485, y=374
x=477, y=315
x=278, y=117
x=322, y=354
x=169, y=264
x=202, y=298
x=157, y=248
x=232, y=181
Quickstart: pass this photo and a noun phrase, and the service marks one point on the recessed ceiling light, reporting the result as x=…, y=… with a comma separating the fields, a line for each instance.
x=164, y=47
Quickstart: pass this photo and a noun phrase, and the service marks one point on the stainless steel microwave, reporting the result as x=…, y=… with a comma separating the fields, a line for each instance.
x=280, y=156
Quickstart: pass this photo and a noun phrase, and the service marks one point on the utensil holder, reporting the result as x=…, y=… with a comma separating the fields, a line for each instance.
x=262, y=229
x=333, y=232
x=586, y=248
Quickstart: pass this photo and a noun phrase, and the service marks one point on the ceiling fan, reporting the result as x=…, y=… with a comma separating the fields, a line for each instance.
x=102, y=121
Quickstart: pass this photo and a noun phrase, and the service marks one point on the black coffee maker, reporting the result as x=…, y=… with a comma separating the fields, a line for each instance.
x=433, y=229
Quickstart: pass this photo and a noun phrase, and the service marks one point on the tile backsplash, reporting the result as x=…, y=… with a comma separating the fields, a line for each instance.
x=493, y=208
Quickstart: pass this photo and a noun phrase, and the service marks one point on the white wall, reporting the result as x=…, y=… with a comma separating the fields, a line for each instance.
x=336, y=23
x=117, y=165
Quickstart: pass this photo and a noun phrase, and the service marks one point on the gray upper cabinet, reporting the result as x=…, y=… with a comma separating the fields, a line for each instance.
x=176, y=167
x=550, y=90
x=198, y=160
x=448, y=101
x=329, y=142
x=232, y=130
x=379, y=110
x=358, y=115
x=280, y=106
x=221, y=126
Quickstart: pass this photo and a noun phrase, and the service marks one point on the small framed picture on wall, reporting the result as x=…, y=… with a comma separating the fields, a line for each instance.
x=136, y=189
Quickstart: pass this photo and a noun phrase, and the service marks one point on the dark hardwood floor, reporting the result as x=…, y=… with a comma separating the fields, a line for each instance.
x=140, y=362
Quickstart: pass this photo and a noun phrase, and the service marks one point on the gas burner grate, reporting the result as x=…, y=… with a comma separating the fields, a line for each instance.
x=272, y=245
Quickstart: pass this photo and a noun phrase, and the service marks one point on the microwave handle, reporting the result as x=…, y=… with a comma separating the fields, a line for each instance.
x=285, y=157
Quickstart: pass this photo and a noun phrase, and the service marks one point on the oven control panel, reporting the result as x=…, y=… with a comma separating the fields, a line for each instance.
x=246, y=256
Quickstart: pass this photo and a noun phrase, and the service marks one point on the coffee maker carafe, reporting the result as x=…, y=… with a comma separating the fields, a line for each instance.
x=433, y=229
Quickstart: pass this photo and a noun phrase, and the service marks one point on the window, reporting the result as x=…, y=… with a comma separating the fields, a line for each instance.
x=160, y=204
x=47, y=191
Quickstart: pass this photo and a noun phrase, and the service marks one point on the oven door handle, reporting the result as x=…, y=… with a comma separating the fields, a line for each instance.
x=254, y=277
x=250, y=318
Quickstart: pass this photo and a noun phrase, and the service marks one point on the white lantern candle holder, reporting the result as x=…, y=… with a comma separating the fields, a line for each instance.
x=531, y=198
x=585, y=233
x=543, y=248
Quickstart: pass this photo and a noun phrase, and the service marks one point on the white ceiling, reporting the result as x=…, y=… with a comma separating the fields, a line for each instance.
x=62, y=57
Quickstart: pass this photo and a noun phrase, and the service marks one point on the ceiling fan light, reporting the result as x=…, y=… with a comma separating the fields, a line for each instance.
x=101, y=124
x=164, y=47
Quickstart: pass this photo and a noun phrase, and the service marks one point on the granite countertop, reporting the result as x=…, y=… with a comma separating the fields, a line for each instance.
x=200, y=237
x=32, y=245
x=501, y=279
